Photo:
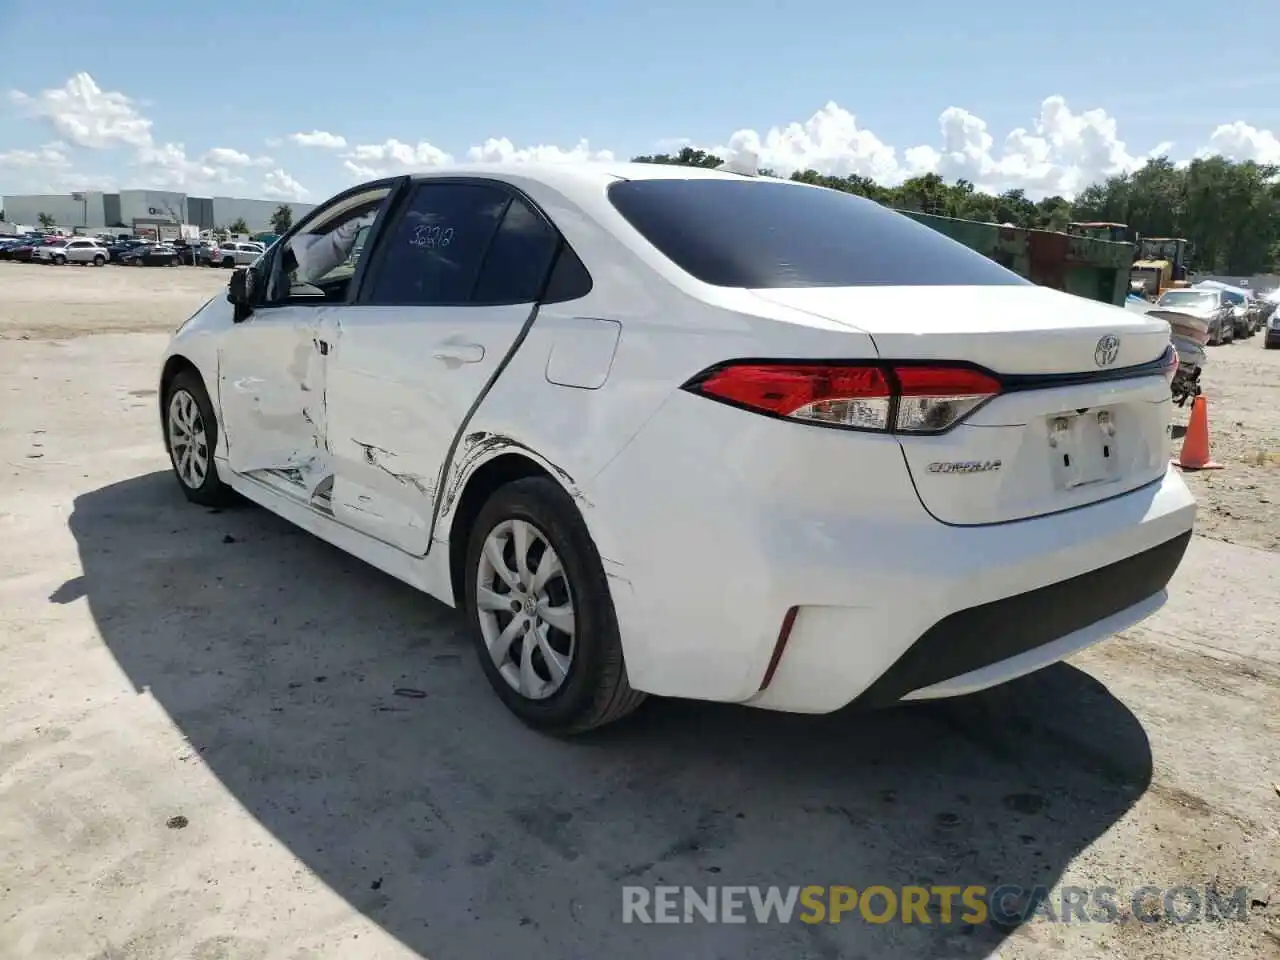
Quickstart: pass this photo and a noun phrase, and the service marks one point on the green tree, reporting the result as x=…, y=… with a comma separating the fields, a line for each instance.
x=282, y=219
x=46, y=222
x=239, y=226
x=1228, y=211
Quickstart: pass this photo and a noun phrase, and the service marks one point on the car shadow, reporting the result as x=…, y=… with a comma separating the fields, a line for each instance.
x=346, y=713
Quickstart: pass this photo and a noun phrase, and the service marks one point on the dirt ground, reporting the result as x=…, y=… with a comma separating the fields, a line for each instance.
x=1241, y=502
x=221, y=739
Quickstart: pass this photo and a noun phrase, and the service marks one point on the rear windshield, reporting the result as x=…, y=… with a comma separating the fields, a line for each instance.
x=769, y=234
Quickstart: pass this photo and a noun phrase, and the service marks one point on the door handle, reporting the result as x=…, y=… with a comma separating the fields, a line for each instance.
x=323, y=346
x=459, y=352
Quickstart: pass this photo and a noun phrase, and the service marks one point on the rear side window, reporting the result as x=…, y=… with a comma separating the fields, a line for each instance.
x=519, y=257
x=433, y=252
x=768, y=234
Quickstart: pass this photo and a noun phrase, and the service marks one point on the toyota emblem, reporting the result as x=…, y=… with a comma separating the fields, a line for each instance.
x=1105, y=353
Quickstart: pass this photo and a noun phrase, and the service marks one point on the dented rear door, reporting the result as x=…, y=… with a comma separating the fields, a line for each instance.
x=451, y=287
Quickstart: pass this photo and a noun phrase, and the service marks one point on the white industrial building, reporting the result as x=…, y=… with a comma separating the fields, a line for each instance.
x=130, y=209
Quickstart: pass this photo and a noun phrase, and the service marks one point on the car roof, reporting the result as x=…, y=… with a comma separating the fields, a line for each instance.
x=586, y=178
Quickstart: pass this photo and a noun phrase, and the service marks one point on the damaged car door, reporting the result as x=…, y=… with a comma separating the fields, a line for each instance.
x=273, y=363
x=452, y=283
x=271, y=390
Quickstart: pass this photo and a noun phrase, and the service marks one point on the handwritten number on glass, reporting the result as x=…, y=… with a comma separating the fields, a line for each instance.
x=431, y=236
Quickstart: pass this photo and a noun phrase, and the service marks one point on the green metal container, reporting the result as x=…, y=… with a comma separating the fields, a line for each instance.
x=1086, y=266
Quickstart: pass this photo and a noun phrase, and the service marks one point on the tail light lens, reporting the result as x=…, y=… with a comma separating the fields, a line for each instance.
x=885, y=397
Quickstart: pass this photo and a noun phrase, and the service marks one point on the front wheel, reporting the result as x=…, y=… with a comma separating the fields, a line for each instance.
x=60, y=260
x=191, y=436
x=99, y=260
x=541, y=611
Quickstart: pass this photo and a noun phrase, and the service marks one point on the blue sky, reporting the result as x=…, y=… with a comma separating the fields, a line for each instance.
x=632, y=78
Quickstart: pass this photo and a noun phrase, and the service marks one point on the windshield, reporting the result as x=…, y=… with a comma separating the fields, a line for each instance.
x=1234, y=299
x=1186, y=298
x=761, y=234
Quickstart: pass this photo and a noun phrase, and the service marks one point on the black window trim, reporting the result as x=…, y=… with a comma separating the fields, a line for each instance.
x=357, y=296
x=271, y=258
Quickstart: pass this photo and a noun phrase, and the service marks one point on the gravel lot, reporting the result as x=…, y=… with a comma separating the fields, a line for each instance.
x=203, y=753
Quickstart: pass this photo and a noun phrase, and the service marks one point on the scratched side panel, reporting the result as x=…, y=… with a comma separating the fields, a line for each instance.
x=401, y=381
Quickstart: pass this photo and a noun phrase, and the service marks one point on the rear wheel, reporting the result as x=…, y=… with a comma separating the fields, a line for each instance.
x=542, y=615
x=191, y=436
x=228, y=263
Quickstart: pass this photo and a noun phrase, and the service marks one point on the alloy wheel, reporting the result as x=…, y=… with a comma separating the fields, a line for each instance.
x=525, y=606
x=188, y=440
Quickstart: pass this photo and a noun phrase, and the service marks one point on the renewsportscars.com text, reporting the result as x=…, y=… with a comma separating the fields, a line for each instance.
x=1008, y=905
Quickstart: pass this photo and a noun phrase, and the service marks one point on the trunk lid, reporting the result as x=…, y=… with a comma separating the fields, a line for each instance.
x=1067, y=432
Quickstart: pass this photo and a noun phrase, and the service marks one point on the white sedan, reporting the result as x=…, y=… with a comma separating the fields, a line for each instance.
x=691, y=433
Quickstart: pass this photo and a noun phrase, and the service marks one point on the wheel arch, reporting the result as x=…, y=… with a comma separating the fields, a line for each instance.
x=174, y=365
x=479, y=485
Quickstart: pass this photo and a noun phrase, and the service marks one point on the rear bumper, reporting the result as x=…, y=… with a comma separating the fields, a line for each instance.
x=721, y=526
x=960, y=652
x=991, y=604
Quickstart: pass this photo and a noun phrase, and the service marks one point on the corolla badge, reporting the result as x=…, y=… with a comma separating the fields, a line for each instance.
x=964, y=466
x=1108, y=348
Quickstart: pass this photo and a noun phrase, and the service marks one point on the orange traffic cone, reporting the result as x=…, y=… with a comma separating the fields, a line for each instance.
x=1195, y=446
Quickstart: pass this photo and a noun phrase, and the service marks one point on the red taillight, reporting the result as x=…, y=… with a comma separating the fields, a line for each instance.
x=898, y=398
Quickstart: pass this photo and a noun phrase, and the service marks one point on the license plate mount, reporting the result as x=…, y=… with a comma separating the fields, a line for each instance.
x=1083, y=448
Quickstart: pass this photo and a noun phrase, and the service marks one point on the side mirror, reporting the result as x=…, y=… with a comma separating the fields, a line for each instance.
x=240, y=293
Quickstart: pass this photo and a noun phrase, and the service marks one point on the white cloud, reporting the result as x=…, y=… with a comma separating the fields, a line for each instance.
x=503, y=150
x=1239, y=141
x=86, y=115
x=368, y=160
x=279, y=185
x=168, y=166
x=830, y=142
x=319, y=138
x=226, y=157
x=1058, y=151
x=50, y=155
x=1061, y=152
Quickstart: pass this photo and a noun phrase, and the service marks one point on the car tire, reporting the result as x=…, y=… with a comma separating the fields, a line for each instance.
x=188, y=416
x=228, y=263
x=577, y=680
x=99, y=260
x=60, y=261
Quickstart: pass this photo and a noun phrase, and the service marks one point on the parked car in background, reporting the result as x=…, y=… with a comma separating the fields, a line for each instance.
x=235, y=253
x=189, y=252
x=82, y=251
x=1271, y=319
x=11, y=243
x=116, y=250
x=1241, y=315
x=26, y=250
x=1242, y=318
x=150, y=255
x=1203, y=303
